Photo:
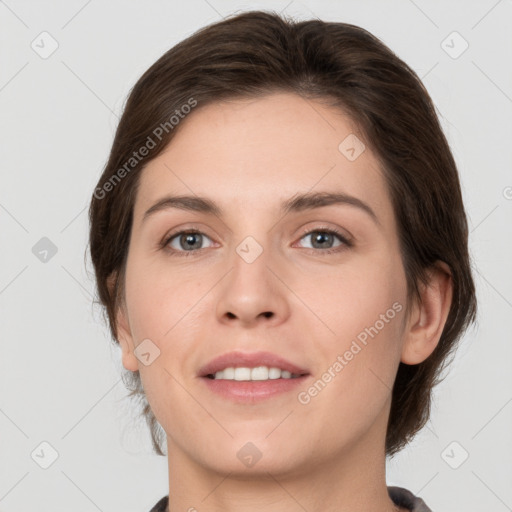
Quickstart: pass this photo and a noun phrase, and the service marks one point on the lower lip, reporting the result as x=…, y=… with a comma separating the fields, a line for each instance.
x=252, y=391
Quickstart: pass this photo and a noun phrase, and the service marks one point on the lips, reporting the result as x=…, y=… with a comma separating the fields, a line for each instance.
x=249, y=360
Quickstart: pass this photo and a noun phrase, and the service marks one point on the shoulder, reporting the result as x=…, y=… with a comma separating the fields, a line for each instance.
x=404, y=498
x=161, y=506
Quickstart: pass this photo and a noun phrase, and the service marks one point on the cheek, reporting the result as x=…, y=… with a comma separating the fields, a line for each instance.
x=352, y=297
x=358, y=363
x=158, y=299
x=363, y=306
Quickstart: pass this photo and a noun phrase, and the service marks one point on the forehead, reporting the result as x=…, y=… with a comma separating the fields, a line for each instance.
x=253, y=152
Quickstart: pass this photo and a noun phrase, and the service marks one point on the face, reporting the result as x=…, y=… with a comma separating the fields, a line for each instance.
x=319, y=284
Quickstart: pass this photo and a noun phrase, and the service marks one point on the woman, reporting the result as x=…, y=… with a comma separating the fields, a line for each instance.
x=280, y=243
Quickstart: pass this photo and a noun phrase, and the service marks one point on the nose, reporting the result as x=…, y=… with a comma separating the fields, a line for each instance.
x=253, y=293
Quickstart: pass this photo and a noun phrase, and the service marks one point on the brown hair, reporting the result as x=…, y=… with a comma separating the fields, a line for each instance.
x=256, y=53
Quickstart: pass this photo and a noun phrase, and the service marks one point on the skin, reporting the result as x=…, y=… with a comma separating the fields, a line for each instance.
x=248, y=156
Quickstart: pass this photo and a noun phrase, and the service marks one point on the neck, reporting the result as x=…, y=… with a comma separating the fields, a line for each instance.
x=353, y=479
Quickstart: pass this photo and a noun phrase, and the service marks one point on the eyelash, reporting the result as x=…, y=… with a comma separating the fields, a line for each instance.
x=346, y=243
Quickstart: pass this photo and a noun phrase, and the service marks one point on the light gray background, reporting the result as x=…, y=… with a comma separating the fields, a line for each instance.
x=59, y=376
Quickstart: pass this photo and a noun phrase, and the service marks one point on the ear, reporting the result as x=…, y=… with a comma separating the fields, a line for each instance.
x=124, y=335
x=428, y=316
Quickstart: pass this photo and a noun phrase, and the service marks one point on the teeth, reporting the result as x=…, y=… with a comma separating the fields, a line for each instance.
x=258, y=373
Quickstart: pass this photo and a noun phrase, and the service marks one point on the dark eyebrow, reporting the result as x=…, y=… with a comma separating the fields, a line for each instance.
x=310, y=200
x=297, y=203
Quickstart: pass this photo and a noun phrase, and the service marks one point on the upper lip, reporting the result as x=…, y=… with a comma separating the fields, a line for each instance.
x=249, y=360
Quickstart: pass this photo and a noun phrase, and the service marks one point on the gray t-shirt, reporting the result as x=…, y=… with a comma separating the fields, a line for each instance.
x=400, y=496
x=404, y=498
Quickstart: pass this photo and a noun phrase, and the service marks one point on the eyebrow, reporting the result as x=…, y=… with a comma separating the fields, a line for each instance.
x=297, y=203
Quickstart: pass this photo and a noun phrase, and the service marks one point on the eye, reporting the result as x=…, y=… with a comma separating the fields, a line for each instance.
x=324, y=239
x=185, y=242
x=188, y=242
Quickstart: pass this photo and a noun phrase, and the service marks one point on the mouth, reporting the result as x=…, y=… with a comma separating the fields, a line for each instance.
x=258, y=373
x=253, y=391
x=251, y=366
x=250, y=377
